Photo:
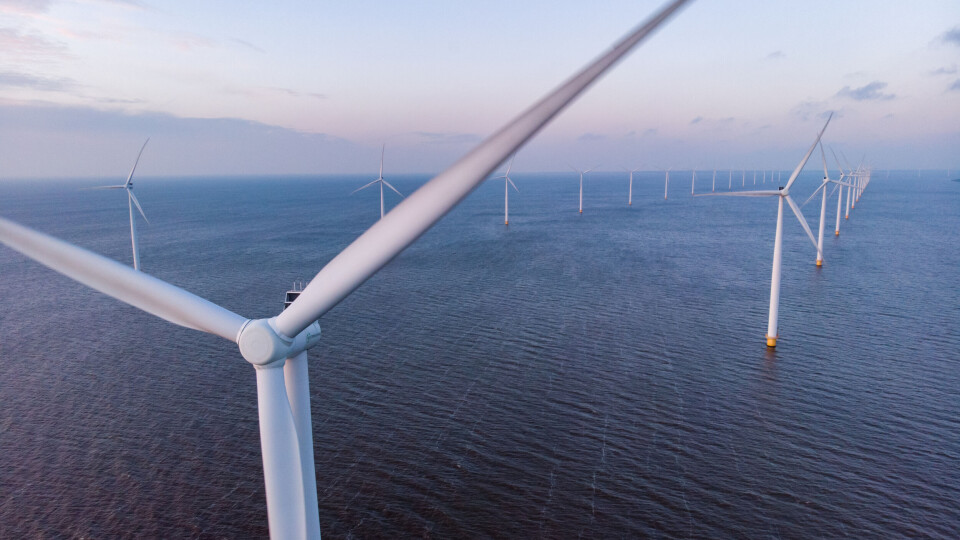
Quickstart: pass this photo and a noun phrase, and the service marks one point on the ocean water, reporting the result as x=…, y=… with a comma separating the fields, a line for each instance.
x=600, y=375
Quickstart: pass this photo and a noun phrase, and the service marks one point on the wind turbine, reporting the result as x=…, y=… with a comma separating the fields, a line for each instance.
x=630, y=192
x=693, y=181
x=836, y=231
x=730, y=180
x=782, y=194
x=131, y=202
x=507, y=182
x=381, y=181
x=666, y=184
x=277, y=346
x=581, y=182
x=823, y=204
x=714, y=188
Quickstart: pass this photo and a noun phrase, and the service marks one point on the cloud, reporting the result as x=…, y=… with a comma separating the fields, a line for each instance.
x=944, y=71
x=809, y=110
x=25, y=6
x=776, y=55
x=447, y=138
x=591, y=137
x=696, y=120
x=32, y=46
x=13, y=79
x=955, y=87
x=951, y=36
x=869, y=92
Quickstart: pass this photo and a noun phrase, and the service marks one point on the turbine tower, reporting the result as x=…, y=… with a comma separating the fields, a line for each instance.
x=630, y=190
x=581, y=183
x=782, y=194
x=276, y=347
x=507, y=182
x=823, y=204
x=381, y=181
x=131, y=202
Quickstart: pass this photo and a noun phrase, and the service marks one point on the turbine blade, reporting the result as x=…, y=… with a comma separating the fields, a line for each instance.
x=810, y=198
x=510, y=165
x=796, y=172
x=137, y=203
x=764, y=193
x=512, y=184
x=382, y=149
x=130, y=176
x=418, y=212
x=391, y=187
x=122, y=282
x=824, y=158
x=366, y=186
x=837, y=160
x=105, y=187
x=803, y=223
x=835, y=188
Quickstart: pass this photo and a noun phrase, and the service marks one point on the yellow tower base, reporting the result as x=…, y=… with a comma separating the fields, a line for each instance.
x=819, y=263
x=772, y=341
x=836, y=233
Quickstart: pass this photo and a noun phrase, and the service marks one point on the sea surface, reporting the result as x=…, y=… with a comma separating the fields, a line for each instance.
x=601, y=375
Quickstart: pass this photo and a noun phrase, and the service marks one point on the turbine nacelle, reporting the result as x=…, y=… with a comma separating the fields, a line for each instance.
x=262, y=344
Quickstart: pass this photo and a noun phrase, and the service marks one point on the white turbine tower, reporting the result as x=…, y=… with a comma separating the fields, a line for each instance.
x=666, y=181
x=581, y=183
x=630, y=190
x=693, y=180
x=277, y=346
x=714, y=188
x=381, y=181
x=782, y=194
x=507, y=182
x=823, y=204
x=131, y=202
x=730, y=180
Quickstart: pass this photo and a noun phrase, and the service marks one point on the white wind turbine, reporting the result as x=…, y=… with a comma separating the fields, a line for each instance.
x=823, y=204
x=782, y=194
x=581, y=182
x=666, y=184
x=277, y=346
x=630, y=190
x=714, y=188
x=693, y=181
x=836, y=231
x=381, y=181
x=730, y=180
x=507, y=182
x=131, y=202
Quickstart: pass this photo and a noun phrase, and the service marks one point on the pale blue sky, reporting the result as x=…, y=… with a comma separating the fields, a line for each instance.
x=315, y=87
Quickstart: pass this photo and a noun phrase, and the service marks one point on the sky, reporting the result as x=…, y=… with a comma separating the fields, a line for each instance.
x=256, y=88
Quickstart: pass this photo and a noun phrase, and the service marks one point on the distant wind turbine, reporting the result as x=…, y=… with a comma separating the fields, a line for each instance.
x=581, y=182
x=381, y=181
x=131, y=202
x=693, y=181
x=714, y=188
x=730, y=180
x=507, y=182
x=666, y=184
x=782, y=194
x=823, y=204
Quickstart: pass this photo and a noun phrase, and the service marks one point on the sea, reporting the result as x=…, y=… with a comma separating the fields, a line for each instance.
x=594, y=375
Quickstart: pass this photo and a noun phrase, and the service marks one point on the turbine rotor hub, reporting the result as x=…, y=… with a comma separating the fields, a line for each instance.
x=261, y=344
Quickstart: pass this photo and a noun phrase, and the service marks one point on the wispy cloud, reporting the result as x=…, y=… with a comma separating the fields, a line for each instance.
x=447, y=138
x=296, y=94
x=869, y=92
x=811, y=110
x=952, y=36
x=955, y=87
x=20, y=45
x=13, y=79
x=696, y=120
x=591, y=137
x=776, y=55
x=247, y=44
x=25, y=6
x=944, y=71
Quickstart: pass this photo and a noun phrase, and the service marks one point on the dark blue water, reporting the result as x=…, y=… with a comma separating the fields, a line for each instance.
x=602, y=375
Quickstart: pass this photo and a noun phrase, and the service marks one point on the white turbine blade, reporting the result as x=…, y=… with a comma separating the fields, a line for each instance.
x=590, y=169
x=418, y=212
x=824, y=158
x=841, y=183
x=803, y=223
x=137, y=203
x=796, y=172
x=835, y=188
x=837, y=160
x=382, y=148
x=122, y=282
x=810, y=198
x=130, y=176
x=106, y=187
x=764, y=193
x=366, y=186
x=574, y=169
x=391, y=187
x=509, y=166
x=512, y=184
x=280, y=447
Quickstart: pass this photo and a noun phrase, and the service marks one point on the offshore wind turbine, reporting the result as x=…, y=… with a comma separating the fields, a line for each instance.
x=823, y=204
x=714, y=188
x=277, y=346
x=630, y=191
x=381, y=181
x=666, y=183
x=782, y=194
x=507, y=182
x=131, y=202
x=730, y=180
x=581, y=183
x=693, y=181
